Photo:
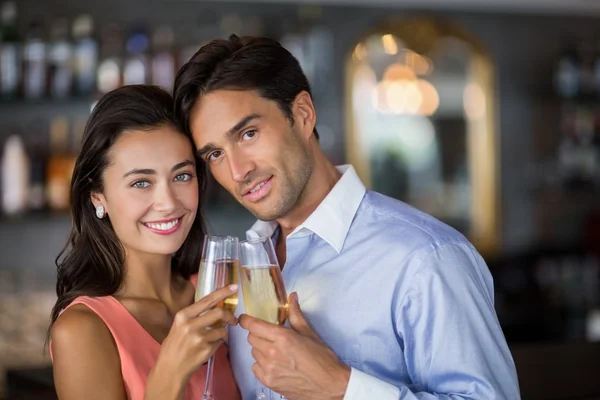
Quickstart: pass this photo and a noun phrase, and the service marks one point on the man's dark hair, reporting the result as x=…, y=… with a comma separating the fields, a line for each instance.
x=239, y=63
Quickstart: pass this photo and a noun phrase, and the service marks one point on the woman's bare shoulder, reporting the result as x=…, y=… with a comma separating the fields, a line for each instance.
x=85, y=357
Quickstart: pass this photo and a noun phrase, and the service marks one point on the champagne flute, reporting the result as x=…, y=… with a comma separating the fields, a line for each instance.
x=219, y=267
x=262, y=284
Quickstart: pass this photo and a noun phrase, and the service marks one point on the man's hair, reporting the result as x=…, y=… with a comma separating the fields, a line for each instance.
x=239, y=63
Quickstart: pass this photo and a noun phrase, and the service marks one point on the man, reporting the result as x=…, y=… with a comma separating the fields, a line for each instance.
x=395, y=304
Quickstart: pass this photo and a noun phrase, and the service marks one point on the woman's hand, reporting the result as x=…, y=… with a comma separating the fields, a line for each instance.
x=197, y=332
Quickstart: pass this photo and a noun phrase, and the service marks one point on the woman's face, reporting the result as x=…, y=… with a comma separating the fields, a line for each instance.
x=150, y=190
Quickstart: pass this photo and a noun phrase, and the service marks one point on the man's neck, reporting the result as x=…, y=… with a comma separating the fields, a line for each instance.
x=323, y=178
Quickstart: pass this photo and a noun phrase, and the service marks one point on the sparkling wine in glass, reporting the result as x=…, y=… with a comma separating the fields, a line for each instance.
x=262, y=284
x=219, y=267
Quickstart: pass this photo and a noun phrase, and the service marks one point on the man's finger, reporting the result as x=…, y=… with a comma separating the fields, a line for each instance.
x=297, y=320
x=259, y=372
x=260, y=357
x=258, y=342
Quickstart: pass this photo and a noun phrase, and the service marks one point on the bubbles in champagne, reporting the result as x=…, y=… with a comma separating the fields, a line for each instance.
x=213, y=276
x=264, y=293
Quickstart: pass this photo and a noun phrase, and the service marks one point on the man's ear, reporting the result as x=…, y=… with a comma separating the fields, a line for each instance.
x=305, y=116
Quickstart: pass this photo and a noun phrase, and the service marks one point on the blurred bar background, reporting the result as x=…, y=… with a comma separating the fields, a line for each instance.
x=482, y=114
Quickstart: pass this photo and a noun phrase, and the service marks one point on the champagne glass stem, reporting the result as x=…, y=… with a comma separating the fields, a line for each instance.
x=207, y=389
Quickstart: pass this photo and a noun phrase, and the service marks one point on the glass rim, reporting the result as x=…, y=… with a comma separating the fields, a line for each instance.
x=215, y=237
x=221, y=237
x=260, y=239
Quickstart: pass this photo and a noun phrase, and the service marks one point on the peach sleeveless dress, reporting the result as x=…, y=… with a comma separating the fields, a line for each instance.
x=138, y=352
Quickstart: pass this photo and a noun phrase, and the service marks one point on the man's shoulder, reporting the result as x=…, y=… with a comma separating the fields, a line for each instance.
x=399, y=221
x=408, y=237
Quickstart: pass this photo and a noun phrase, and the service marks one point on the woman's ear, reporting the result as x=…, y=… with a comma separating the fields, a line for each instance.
x=99, y=202
x=98, y=199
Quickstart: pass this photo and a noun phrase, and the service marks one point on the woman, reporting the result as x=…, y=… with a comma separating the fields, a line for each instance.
x=125, y=325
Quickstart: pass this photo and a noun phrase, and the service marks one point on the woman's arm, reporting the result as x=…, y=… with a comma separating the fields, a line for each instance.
x=85, y=357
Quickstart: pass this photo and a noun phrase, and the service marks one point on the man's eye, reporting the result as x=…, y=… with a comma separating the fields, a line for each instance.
x=249, y=135
x=214, y=155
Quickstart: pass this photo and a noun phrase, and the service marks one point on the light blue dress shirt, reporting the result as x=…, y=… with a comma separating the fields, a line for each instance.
x=401, y=298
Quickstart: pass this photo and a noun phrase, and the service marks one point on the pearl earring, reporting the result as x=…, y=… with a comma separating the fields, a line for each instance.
x=100, y=211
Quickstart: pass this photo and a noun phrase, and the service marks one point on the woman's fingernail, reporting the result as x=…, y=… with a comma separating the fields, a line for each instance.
x=233, y=288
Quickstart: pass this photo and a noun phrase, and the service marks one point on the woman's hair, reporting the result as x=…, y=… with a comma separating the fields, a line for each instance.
x=92, y=261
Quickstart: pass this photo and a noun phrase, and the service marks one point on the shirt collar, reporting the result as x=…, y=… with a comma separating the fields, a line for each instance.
x=332, y=219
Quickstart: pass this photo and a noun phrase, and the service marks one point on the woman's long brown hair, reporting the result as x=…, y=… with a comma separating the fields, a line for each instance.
x=92, y=261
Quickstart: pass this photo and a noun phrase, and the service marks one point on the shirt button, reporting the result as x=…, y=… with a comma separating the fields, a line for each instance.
x=261, y=396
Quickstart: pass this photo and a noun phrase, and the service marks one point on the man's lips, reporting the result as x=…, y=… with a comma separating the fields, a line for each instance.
x=259, y=190
x=256, y=186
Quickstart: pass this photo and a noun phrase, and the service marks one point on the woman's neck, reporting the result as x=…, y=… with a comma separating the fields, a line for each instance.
x=148, y=276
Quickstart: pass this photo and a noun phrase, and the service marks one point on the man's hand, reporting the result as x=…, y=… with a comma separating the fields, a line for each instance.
x=295, y=362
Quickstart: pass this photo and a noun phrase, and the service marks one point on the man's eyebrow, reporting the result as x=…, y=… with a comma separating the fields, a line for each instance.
x=243, y=122
x=232, y=131
x=204, y=150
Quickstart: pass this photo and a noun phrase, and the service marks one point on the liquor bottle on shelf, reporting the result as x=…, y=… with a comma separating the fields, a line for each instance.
x=254, y=26
x=60, y=52
x=60, y=166
x=587, y=84
x=15, y=176
x=195, y=35
x=34, y=62
x=111, y=63
x=163, y=57
x=188, y=44
x=567, y=73
x=240, y=25
x=85, y=55
x=78, y=129
x=312, y=44
x=10, y=51
x=597, y=70
x=136, y=69
x=231, y=24
x=39, y=159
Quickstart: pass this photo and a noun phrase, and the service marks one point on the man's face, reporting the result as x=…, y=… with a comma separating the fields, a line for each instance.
x=252, y=150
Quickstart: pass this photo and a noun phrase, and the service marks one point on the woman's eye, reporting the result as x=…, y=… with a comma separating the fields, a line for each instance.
x=183, y=177
x=140, y=184
x=249, y=135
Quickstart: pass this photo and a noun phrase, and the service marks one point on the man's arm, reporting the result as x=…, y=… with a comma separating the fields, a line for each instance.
x=453, y=344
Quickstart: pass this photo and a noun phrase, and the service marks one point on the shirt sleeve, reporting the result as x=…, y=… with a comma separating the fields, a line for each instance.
x=364, y=386
x=453, y=345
